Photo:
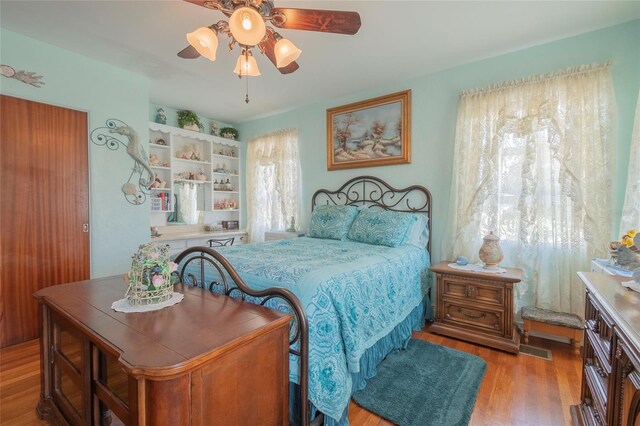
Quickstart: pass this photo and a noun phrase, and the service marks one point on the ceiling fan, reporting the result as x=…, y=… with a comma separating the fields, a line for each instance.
x=248, y=25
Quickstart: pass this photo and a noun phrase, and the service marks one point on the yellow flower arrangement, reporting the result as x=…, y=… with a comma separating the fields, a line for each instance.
x=627, y=239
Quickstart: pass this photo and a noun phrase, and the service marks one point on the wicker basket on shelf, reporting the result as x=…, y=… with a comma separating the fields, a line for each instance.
x=150, y=276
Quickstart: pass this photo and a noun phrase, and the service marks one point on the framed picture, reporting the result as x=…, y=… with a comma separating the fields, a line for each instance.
x=375, y=132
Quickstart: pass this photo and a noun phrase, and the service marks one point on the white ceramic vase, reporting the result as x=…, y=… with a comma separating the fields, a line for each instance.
x=490, y=252
x=193, y=127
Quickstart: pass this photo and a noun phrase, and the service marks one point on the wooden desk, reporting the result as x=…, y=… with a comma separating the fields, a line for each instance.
x=476, y=306
x=207, y=360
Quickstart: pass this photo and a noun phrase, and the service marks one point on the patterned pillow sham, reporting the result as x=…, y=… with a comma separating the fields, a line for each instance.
x=331, y=222
x=381, y=227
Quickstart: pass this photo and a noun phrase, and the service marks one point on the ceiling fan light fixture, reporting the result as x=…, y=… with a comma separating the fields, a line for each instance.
x=246, y=66
x=286, y=52
x=205, y=41
x=247, y=26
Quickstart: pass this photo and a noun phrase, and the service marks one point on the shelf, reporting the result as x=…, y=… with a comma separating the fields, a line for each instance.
x=192, y=181
x=191, y=161
x=222, y=191
x=225, y=210
x=226, y=156
x=155, y=145
x=225, y=174
x=162, y=189
x=161, y=211
x=160, y=167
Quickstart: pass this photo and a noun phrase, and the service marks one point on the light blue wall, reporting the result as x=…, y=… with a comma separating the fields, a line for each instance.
x=103, y=91
x=434, y=111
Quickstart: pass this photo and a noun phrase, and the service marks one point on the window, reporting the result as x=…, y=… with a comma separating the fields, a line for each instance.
x=531, y=163
x=273, y=182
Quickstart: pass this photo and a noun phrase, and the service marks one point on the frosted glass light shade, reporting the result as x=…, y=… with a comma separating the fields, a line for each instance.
x=247, y=26
x=247, y=66
x=286, y=52
x=205, y=41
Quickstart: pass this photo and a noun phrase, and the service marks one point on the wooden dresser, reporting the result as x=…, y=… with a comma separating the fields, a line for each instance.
x=208, y=360
x=611, y=374
x=476, y=306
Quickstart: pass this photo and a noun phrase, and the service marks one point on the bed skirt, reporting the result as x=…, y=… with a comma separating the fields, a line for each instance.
x=397, y=339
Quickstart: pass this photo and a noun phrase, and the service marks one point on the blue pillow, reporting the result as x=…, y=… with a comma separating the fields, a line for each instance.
x=331, y=222
x=381, y=227
x=418, y=234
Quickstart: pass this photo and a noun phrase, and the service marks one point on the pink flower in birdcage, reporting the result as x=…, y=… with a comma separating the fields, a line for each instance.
x=154, y=255
x=173, y=266
x=157, y=281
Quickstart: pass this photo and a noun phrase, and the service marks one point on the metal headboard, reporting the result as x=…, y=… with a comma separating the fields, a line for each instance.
x=374, y=192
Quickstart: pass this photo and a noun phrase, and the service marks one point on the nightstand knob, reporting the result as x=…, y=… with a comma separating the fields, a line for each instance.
x=448, y=316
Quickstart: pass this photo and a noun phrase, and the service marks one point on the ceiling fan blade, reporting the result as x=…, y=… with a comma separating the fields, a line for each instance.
x=267, y=46
x=327, y=21
x=189, y=53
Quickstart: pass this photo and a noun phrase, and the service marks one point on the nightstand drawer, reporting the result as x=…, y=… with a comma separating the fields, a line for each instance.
x=474, y=291
x=470, y=316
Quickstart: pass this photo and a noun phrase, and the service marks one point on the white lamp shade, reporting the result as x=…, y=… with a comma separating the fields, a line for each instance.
x=286, y=52
x=247, y=26
x=247, y=66
x=205, y=41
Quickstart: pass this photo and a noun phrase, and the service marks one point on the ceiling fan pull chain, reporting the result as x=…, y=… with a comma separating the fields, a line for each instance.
x=246, y=99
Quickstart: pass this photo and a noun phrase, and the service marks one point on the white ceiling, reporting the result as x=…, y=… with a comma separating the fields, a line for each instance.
x=398, y=39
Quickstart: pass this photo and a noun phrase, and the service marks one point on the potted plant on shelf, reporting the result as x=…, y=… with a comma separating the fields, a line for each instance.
x=189, y=120
x=229, y=133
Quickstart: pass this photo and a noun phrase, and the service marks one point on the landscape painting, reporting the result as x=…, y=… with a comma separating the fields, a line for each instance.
x=375, y=132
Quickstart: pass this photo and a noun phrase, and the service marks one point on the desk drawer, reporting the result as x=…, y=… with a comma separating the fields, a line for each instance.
x=472, y=316
x=474, y=291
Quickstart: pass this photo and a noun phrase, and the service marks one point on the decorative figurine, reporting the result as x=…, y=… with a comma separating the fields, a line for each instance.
x=292, y=227
x=462, y=261
x=214, y=128
x=160, y=117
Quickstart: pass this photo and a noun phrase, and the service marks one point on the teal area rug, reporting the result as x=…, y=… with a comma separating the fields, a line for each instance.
x=424, y=385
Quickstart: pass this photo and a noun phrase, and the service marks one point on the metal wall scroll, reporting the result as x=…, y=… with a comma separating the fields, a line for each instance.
x=137, y=187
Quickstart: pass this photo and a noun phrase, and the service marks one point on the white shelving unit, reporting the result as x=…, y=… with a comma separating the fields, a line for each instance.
x=198, y=158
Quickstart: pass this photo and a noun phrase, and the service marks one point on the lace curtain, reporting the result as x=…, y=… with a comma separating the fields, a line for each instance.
x=273, y=182
x=531, y=163
x=631, y=210
x=185, y=209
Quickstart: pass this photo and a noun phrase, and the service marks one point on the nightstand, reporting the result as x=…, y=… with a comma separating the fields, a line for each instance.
x=282, y=235
x=476, y=306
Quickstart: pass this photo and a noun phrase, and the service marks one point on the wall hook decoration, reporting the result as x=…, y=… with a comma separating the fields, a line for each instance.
x=27, y=77
x=136, y=188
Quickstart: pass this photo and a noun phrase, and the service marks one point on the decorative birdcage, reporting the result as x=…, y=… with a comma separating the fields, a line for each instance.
x=150, y=275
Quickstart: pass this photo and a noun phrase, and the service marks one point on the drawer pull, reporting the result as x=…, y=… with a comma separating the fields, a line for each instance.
x=466, y=314
x=470, y=291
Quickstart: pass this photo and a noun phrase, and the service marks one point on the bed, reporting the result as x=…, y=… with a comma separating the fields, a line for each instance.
x=353, y=302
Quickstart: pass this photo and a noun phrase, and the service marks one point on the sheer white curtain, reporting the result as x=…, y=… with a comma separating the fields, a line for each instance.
x=631, y=209
x=531, y=163
x=273, y=182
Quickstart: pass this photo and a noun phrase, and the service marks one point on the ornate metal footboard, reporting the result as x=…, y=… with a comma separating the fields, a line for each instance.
x=205, y=259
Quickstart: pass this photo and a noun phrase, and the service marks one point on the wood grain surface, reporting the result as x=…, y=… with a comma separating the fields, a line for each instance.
x=516, y=390
x=45, y=201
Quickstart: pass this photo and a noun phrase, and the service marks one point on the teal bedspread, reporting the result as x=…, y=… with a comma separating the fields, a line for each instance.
x=353, y=294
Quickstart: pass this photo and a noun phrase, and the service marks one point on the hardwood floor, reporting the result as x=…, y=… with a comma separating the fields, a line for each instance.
x=516, y=390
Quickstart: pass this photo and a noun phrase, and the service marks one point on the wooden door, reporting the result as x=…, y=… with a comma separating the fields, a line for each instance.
x=44, y=203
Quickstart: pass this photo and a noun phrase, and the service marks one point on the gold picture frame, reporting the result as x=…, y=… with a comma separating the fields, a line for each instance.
x=375, y=132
